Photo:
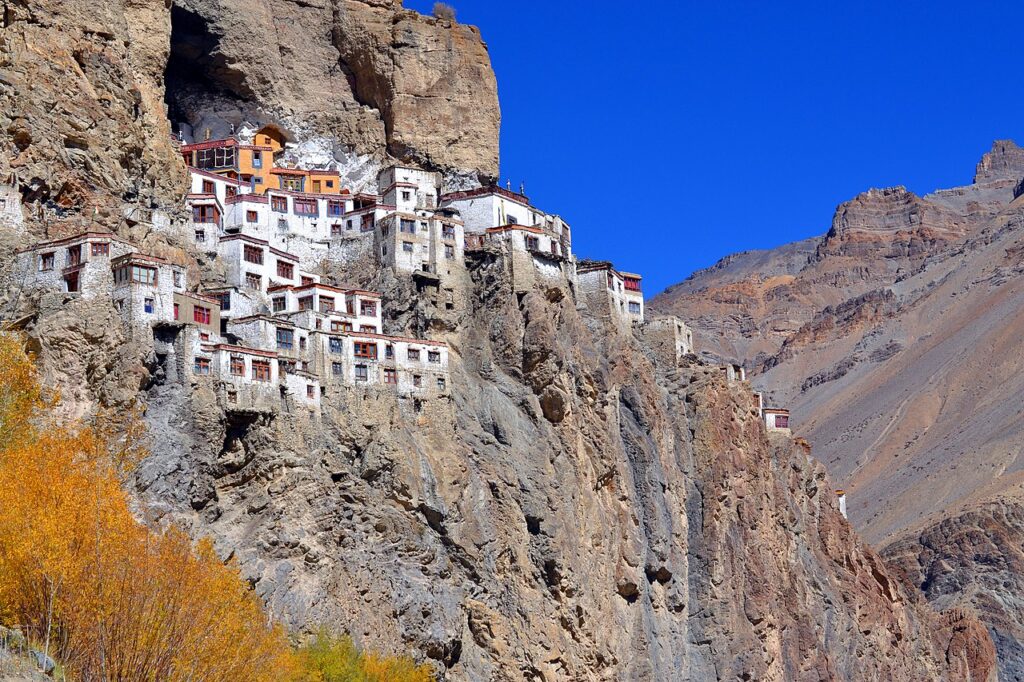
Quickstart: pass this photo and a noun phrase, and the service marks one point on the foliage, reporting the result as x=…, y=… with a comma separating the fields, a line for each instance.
x=328, y=658
x=111, y=599
x=93, y=587
x=443, y=10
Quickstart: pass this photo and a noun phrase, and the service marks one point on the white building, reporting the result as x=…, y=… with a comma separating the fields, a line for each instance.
x=320, y=306
x=610, y=294
x=409, y=189
x=776, y=420
x=424, y=243
x=251, y=263
x=79, y=265
x=144, y=290
x=408, y=366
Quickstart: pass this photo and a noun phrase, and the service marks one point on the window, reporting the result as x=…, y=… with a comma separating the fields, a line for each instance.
x=417, y=380
x=512, y=220
x=316, y=187
x=413, y=354
x=175, y=311
x=632, y=283
x=100, y=249
x=326, y=304
x=335, y=207
x=348, y=224
x=261, y=370
x=634, y=308
x=224, y=299
x=232, y=397
x=335, y=229
x=257, y=159
x=285, y=338
x=219, y=157
x=46, y=261
x=251, y=216
x=449, y=251
x=306, y=303
x=310, y=391
x=253, y=281
x=334, y=344
x=407, y=247
x=207, y=186
x=305, y=207
x=302, y=343
x=74, y=256
x=237, y=366
x=337, y=369
x=201, y=366
x=448, y=231
x=390, y=376
x=330, y=183
x=407, y=226
x=230, y=191
x=389, y=352
x=204, y=336
x=441, y=383
x=291, y=183
x=423, y=227
x=406, y=196
x=532, y=243
x=362, y=373
x=204, y=214
x=201, y=314
x=368, y=328
x=285, y=269
x=200, y=235
x=252, y=254
x=71, y=282
x=782, y=421
x=337, y=326
x=138, y=274
x=306, y=280
x=362, y=349
x=425, y=266
x=147, y=305
x=279, y=204
x=282, y=225
x=368, y=308
x=177, y=278
x=279, y=304
x=434, y=356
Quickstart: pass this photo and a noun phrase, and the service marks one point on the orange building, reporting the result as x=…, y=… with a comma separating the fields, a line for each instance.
x=247, y=163
x=311, y=181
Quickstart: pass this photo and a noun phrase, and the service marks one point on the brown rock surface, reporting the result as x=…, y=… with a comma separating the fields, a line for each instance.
x=905, y=375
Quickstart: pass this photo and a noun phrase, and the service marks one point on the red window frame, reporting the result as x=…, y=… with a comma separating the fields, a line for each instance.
x=201, y=314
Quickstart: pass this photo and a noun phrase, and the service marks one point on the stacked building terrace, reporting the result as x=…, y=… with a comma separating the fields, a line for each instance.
x=272, y=331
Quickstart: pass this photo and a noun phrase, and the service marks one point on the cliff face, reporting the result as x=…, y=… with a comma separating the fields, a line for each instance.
x=907, y=382
x=572, y=513
x=85, y=108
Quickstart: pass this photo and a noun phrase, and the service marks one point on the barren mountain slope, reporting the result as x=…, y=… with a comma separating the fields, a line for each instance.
x=909, y=386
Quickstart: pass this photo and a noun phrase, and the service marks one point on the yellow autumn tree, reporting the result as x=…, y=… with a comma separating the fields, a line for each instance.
x=89, y=584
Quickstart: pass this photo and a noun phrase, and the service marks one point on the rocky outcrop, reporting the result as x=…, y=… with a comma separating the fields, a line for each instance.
x=368, y=77
x=974, y=560
x=911, y=397
x=86, y=90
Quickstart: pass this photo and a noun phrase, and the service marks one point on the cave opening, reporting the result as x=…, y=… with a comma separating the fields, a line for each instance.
x=206, y=98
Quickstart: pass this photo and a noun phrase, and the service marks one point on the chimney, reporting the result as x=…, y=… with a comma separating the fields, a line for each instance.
x=841, y=494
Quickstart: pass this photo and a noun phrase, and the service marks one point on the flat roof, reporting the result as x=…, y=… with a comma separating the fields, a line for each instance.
x=81, y=236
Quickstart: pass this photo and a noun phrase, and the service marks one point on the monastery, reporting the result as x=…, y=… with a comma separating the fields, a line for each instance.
x=273, y=333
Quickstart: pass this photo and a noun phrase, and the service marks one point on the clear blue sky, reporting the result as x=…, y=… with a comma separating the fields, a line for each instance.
x=670, y=134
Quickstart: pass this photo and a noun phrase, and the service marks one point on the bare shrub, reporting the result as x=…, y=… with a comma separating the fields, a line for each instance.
x=444, y=11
